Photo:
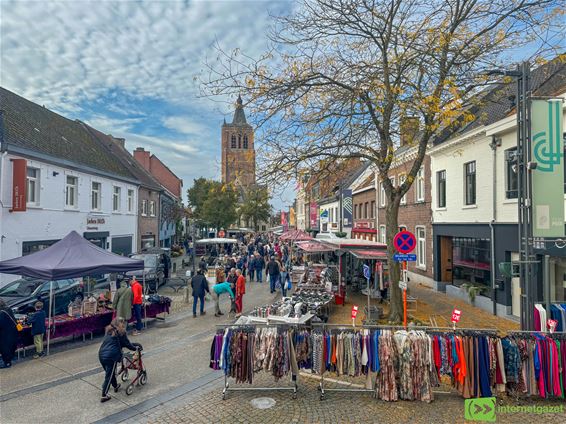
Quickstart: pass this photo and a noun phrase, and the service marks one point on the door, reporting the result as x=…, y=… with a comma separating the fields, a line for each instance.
x=515, y=290
x=446, y=259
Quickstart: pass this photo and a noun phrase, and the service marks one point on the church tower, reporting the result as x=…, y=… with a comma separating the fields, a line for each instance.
x=238, y=153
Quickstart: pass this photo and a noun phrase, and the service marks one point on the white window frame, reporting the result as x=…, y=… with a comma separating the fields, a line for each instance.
x=402, y=179
x=382, y=234
x=116, y=198
x=152, y=208
x=35, y=180
x=130, y=200
x=73, y=191
x=420, y=186
x=381, y=195
x=421, y=246
x=98, y=195
x=144, y=207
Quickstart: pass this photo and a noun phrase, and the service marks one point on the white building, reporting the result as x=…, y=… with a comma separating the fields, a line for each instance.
x=70, y=182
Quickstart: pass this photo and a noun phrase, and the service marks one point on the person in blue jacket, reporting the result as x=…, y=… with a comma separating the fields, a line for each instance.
x=217, y=290
x=110, y=354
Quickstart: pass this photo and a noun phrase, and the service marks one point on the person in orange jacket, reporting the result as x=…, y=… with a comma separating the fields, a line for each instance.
x=137, y=302
x=240, y=291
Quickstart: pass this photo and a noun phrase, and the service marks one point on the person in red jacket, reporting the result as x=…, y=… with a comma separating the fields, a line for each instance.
x=137, y=304
x=240, y=291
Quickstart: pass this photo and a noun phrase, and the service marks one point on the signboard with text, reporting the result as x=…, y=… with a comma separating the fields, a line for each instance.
x=456, y=314
x=19, y=181
x=354, y=311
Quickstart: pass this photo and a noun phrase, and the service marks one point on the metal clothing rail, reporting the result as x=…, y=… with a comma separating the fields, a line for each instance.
x=294, y=388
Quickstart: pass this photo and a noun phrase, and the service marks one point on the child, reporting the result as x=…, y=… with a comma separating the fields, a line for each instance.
x=37, y=321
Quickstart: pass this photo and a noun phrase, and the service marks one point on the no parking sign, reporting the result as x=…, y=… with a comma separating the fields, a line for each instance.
x=405, y=242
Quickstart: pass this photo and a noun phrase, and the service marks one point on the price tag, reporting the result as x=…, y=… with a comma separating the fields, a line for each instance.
x=354, y=311
x=456, y=313
x=552, y=323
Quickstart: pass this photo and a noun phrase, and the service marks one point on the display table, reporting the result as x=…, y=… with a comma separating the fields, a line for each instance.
x=66, y=326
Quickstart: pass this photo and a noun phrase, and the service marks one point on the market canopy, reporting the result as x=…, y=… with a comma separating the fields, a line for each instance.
x=295, y=235
x=369, y=254
x=216, y=241
x=73, y=256
x=313, y=246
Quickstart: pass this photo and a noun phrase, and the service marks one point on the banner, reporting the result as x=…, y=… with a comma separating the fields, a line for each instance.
x=347, y=208
x=314, y=216
x=19, y=181
x=324, y=215
x=283, y=218
x=292, y=218
x=547, y=150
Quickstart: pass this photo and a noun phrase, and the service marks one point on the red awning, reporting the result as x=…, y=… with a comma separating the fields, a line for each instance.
x=370, y=254
x=295, y=235
x=314, y=247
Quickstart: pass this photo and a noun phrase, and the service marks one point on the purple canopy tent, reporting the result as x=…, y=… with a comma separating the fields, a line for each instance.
x=71, y=257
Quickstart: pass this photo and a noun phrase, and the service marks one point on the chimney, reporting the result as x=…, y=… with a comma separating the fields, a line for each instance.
x=142, y=157
x=408, y=130
x=120, y=141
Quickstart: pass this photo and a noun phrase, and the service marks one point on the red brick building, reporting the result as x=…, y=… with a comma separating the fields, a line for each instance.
x=415, y=213
x=364, y=210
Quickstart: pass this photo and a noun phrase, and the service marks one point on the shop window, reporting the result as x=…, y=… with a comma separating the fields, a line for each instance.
x=511, y=177
x=421, y=247
x=71, y=192
x=116, y=194
x=441, y=188
x=471, y=260
x=470, y=183
x=32, y=193
x=420, y=186
x=95, y=194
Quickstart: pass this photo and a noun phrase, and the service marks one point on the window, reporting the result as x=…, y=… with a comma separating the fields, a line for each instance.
x=239, y=141
x=511, y=178
x=355, y=211
x=470, y=183
x=32, y=193
x=116, y=199
x=420, y=187
x=421, y=247
x=95, y=201
x=245, y=142
x=151, y=208
x=382, y=234
x=382, y=195
x=144, y=208
x=366, y=206
x=233, y=141
x=373, y=208
x=130, y=200
x=71, y=191
x=402, y=179
x=441, y=188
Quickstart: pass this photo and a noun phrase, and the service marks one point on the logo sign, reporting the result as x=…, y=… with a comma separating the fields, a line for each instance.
x=456, y=314
x=480, y=409
x=367, y=272
x=405, y=242
x=324, y=216
x=552, y=323
x=221, y=233
x=399, y=257
x=548, y=177
x=347, y=207
x=354, y=311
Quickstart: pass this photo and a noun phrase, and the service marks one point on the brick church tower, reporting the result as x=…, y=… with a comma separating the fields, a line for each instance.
x=238, y=154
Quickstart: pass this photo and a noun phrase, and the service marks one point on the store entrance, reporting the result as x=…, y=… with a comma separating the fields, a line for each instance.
x=446, y=259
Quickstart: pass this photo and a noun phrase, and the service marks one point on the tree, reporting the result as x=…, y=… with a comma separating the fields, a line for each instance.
x=219, y=208
x=341, y=74
x=197, y=195
x=255, y=206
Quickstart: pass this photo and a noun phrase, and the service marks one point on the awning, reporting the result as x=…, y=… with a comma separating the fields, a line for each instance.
x=314, y=247
x=370, y=254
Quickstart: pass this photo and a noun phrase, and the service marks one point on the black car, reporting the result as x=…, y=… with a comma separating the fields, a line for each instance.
x=21, y=295
x=154, y=270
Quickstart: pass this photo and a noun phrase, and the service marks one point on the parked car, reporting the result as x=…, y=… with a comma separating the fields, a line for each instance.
x=154, y=270
x=21, y=295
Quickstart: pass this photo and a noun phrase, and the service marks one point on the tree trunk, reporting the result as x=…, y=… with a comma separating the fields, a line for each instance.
x=392, y=227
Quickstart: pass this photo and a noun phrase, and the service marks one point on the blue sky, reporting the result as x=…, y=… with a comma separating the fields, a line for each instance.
x=127, y=68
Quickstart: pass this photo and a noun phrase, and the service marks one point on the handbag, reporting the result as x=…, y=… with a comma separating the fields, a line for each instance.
x=289, y=284
x=19, y=326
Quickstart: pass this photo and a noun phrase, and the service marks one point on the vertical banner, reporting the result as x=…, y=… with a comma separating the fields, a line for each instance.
x=292, y=218
x=547, y=150
x=19, y=185
x=314, y=216
x=347, y=208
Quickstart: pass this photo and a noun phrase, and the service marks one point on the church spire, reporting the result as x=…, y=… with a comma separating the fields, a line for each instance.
x=239, y=115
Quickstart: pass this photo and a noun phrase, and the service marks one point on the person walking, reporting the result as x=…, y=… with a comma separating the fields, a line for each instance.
x=199, y=284
x=259, y=265
x=8, y=334
x=240, y=292
x=216, y=291
x=37, y=321
x=232, y=278
x=202, y=264
x=251, y=267
x=110, y=354
x=273, y=270
x=123, y=301
x=137, y=302
x=285, y=281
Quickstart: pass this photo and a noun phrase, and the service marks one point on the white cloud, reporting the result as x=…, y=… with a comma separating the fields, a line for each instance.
x=184, y=125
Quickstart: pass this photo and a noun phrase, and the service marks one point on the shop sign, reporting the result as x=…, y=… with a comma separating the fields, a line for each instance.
x=547, y=149
x=324, y=216
x=19, y=178
x=354, y=311
x=93, y=222
x=456, y=314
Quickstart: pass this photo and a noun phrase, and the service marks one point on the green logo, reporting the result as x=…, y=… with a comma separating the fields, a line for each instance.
x=547, y=149
x=480, y=409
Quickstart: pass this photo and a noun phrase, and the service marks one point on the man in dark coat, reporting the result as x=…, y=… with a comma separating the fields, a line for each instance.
x=259, y=265
x=273, y=270
x=8, y=334
x=199, y=284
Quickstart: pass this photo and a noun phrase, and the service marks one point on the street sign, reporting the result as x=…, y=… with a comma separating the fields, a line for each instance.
x=405, y=242
x=456, y=314
x=354, y=311
x=403, y=285
x=367, y=272
x=221, y=234
x=398, y=257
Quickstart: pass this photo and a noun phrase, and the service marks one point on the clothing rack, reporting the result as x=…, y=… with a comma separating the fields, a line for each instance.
x=294, y=388
x=323, y=326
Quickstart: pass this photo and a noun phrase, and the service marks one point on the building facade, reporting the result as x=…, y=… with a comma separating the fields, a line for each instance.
x=238, y=152
x=364, y=209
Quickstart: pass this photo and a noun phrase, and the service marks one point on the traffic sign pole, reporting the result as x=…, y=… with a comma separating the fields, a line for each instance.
x=405, y=294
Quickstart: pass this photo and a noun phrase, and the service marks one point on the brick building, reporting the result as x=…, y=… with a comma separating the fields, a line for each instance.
x=415, y=213
x=364, y=209
x=238, y=153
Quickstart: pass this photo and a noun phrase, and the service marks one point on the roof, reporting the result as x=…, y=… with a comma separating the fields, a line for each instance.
x=239, y=118
x=369, y=254
x=113, y=146
x=35, y=129
x=369, y=182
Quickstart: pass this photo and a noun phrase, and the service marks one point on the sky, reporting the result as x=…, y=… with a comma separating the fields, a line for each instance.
x=128, y=69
